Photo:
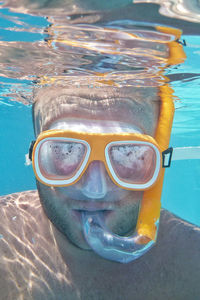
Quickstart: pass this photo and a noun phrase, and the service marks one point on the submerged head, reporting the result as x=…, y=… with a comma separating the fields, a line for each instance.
x=94, y=196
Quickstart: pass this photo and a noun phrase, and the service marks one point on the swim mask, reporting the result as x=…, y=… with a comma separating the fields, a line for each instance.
x=60, y=157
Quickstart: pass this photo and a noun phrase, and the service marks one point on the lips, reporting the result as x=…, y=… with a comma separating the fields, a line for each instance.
x=90, y=205
x=93, y=206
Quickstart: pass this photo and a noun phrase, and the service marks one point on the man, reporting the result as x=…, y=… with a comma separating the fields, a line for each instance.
x=46, y=250
x=44, y=255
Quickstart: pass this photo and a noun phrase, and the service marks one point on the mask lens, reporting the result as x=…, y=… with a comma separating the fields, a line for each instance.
x=133, y=163
x=60, y=159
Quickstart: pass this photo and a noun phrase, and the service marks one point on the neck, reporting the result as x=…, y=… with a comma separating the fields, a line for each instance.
x=92, y=274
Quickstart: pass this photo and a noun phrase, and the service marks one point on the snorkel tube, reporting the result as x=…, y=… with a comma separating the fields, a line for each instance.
x=126, y=249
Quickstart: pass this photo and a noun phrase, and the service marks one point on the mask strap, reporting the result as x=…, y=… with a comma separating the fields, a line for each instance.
x=179, y=153
x=31, y=150
x=28, y=156
x=167, y=157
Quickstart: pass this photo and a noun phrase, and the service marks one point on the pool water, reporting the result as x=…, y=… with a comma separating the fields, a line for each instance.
x=22, y=36
x=181, y=191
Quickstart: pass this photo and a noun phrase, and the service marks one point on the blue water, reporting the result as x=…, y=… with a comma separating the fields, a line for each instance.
x=15, y=139
x=181, y=193
x=15, y=118
x=181, y=185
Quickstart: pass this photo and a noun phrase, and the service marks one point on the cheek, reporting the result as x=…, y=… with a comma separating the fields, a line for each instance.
x=47, y=195
x=123, y=220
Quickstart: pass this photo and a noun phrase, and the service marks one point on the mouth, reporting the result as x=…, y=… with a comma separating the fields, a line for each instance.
x=77, y=213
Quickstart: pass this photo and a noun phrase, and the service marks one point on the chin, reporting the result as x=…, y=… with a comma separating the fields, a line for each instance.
x=77, y=240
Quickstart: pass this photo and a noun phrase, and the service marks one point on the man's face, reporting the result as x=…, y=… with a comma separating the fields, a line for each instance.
x=95, y=191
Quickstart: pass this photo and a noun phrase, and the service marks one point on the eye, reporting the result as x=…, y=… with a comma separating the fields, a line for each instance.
x=133, y=162
x=58, y=159
x=68, y=152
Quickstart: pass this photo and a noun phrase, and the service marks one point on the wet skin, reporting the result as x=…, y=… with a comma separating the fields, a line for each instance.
x=95, y=191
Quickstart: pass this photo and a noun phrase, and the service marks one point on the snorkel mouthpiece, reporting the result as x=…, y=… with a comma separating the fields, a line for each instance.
x=108, y=245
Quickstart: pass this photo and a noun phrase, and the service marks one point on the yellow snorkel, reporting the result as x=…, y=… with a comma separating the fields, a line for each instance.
x=151, y=203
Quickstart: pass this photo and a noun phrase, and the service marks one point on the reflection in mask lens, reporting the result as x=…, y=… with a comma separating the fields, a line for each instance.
x=59, y=160
x=133, y=163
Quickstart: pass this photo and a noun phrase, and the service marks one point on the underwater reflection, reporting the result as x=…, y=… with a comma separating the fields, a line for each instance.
x=80, y=43
x=188, y=10
x=118, y=53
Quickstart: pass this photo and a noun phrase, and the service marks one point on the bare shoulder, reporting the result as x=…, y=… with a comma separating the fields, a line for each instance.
x=30, y=261
x=171, y=269
x=174, y=229
x=179, y=241
x=174, y=262
x=21, y=217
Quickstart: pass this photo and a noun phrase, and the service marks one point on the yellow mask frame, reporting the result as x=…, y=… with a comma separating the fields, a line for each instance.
x=97, y=147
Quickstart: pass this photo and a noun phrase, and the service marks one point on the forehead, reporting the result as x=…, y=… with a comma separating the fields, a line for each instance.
x=135, y=106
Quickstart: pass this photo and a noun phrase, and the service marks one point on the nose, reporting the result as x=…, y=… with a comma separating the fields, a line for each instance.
x=94, y=180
